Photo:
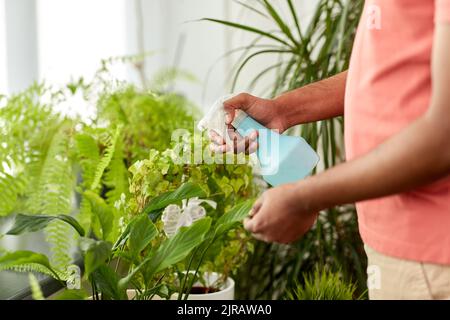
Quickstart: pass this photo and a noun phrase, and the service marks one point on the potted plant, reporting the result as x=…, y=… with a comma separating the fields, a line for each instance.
x=154, y=257
x=50, y=158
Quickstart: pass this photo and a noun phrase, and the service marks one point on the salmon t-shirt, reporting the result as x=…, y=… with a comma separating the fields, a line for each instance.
x=388, y=87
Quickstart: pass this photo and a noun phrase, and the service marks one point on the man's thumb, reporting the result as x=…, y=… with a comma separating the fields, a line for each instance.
x=241, y=101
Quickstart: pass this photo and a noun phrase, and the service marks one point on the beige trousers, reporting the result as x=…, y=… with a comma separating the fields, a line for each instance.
x=391, y=278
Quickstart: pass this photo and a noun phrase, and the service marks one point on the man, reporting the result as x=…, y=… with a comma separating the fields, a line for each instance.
x=395, y=98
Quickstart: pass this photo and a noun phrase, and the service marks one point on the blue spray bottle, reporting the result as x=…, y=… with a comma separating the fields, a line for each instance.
x=283, y=158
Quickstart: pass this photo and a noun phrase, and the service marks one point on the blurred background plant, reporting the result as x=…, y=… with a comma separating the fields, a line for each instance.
x=322, y=285
x=92, y=184
x=53, y=163
x=307, y=52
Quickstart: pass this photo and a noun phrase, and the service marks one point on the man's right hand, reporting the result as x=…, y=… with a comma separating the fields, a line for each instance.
x=265, y=111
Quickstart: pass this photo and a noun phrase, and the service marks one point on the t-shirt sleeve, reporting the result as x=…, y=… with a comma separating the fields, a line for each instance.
x=442, y=11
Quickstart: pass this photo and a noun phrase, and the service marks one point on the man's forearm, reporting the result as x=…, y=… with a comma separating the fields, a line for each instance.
x=317, y=101
x=414, y=157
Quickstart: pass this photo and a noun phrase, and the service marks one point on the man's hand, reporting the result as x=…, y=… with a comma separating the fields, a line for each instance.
x=280, y=215
x=265, y=111
x=316, y=101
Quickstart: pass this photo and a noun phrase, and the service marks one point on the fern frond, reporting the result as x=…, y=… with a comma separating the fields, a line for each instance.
x=61, y=238
x=116, y=176
x=10, y=189
x=106, y=159
x=36, y=291
x=34, y=267
x=88, y=155
x=53, y=194
x=53, y=191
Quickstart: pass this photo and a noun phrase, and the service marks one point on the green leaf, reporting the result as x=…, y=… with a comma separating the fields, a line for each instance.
x=172, y=250
x=31, y=223
x=250, y=29
x=185, y=191
x=103, y=212
x=106, y=281
x=280, y=22
x=141, y=233
x=25, y=257
x=106, y=159
x=72, y=295
x=234, y=215
x=36, y=291
x=95, y=253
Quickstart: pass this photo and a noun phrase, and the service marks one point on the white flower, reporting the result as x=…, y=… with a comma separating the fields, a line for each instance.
x=175, y=217
x=118, y=204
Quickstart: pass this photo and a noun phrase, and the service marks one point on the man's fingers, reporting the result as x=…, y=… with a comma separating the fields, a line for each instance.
x=243, y=144
x=241, y=101
x=261, y=237
x=238, y=144
x=250, y=225
x=256, y=206
x=216, y=138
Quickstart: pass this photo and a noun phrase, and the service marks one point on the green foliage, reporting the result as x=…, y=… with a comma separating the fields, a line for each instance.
x=107, y=282
x=231, y=217
x=142, y=232
x=103, y=218
x=26, y=223
x=36, y=291
x=106, y=159
x=72, y=295
x=185, y=191
x=148, y=119
x=10, y=261
x=171, y=251
x=95, y=253
x=322, y=285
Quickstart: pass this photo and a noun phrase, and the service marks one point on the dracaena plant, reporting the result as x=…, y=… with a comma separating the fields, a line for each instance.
x=305, y=49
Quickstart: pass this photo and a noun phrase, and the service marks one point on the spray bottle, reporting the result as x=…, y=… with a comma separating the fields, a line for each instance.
x=283, y=159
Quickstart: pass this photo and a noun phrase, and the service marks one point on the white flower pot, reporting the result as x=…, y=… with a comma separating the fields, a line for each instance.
x=226, y=292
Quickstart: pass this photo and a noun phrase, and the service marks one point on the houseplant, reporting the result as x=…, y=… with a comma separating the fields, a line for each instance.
x=305, y=52
x=89, y=158
x=49, y=158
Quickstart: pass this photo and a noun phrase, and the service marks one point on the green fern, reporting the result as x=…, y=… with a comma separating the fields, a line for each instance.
x=106, y=159
x=27, y=126
x=88, y=156
x=36, y=291
x=53, y=193
x=116, y=176
x=10, y=189
x=34, y=267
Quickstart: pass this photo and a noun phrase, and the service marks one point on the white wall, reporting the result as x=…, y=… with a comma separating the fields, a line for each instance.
x=3, y=64
x=72, y=36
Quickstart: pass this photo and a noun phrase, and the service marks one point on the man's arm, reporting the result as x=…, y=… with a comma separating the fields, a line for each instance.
x=317, y=101
x=417, y=155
